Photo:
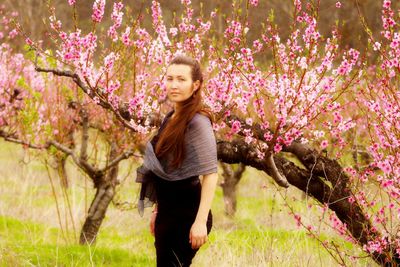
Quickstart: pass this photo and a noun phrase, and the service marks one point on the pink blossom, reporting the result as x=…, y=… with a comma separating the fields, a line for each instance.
x=116, y=14
x=257, y=45
x=112, y=33
x=173, y=31
x=109, y=61
x=387, y=3
x=29, y=41
x=235, y=127
x=277, y=148
x=125, y=37
x=324, y=144
x=297, y=217
x=377, y=46
x=254, y=2
x=376, y=246
x=158, y=23
x=71, y=2
x=338, y=4
x=98, y=10
x=114, y=85
x=297, y=4
x=13, y=33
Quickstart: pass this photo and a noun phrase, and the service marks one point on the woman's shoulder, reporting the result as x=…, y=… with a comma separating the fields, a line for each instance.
x=200, y=119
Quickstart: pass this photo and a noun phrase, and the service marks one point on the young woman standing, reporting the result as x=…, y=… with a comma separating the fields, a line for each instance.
x=183, y=149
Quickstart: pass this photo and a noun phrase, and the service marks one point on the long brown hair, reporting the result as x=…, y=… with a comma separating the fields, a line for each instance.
x=172, y=138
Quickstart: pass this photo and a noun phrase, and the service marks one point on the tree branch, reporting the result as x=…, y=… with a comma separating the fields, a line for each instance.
x=278, y=177
x=125, y=155
x=309, y=182
x=92, y=171
x=85, y=134
x=14, y=139
x=91, y=93
x=239, y=171
x=275, y=173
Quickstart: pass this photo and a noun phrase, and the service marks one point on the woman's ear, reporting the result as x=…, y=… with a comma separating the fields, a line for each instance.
x=196, y=86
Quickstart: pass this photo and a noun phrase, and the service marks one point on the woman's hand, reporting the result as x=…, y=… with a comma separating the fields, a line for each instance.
x=198, y=234
x=153, y=221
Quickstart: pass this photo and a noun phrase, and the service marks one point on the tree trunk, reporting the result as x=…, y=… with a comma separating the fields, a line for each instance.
x=229, y=185
x=62, y=172
x=97, y=212
x=105, y=191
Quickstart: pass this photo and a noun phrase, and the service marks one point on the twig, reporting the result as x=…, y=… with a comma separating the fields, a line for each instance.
x=122, y=156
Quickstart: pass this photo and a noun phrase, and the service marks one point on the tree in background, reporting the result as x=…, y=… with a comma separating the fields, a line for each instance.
x=346, y=17
x=46, y=112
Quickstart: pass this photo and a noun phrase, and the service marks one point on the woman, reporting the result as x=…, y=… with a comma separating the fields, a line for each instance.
x=183, y=149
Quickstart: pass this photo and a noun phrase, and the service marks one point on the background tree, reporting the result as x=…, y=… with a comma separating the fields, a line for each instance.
x=47, y=112
x=231, y=178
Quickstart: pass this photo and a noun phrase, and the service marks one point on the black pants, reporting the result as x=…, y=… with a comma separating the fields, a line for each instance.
x=178, y=203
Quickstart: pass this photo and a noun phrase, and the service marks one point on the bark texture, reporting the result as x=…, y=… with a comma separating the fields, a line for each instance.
x=229, y=184
x=105, y=191
x=97, y=212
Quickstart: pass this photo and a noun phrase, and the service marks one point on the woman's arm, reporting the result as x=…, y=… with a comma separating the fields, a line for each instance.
x=153, y=219
x=198, y=232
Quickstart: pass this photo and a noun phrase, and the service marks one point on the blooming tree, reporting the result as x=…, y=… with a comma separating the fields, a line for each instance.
x=47, y=112
x=378, y=101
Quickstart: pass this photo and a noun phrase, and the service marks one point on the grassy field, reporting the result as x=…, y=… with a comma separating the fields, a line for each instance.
x=38, y=229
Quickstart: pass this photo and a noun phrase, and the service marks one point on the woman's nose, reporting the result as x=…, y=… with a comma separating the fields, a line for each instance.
x=174, y=84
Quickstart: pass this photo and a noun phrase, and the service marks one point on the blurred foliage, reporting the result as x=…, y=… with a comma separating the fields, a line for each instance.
x=33, y=13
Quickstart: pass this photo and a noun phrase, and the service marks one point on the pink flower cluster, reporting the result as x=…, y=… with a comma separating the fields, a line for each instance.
x=125, y=37
x=376, y=246
x=349, y=60
x=55, y=24
x=186, y=24
x=77, y=49
x=116, y=17
x=158, y=23
x=98, y=10
x=21, y=95
x=234, y=33
x=109, y=61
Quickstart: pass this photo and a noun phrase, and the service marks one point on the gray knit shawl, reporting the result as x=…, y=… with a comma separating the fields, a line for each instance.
x=200, y=153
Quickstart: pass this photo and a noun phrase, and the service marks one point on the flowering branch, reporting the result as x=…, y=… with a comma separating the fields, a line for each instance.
x=91, y=93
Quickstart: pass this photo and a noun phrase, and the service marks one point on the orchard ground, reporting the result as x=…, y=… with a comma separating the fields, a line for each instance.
x=263, y=233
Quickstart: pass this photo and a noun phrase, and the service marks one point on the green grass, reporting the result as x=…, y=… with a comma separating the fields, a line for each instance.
x=261, y=234
x=27, y=243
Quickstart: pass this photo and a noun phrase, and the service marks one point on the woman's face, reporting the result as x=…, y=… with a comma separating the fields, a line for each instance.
x=180, y=86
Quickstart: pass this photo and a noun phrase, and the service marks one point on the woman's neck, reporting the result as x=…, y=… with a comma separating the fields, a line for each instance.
x=177, y=109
